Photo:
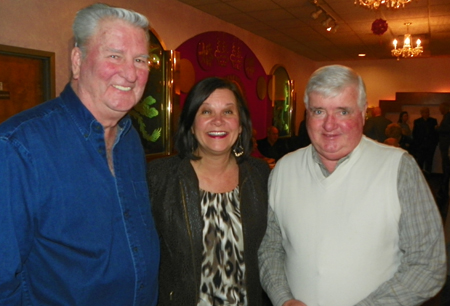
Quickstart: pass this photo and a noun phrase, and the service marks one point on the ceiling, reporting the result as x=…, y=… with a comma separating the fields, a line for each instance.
x=289, y=23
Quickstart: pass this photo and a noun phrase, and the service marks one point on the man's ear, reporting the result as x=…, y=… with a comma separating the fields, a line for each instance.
x=364, y=112
x=75, y=58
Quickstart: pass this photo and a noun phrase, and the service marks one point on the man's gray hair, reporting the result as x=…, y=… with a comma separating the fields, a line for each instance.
x=329, y=81
x=87, y=20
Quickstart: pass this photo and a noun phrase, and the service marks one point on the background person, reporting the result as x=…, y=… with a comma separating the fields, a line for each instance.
x=210, y=203
x=406, y=139
x=376, y=125
x=272, y=146
x=403, y=119
x=394, y=135
x=256, y=153
x=75, y=220
x=396, y=138
x=443, y=130
x=303, y=136
x=359, y=226
x=425, y=140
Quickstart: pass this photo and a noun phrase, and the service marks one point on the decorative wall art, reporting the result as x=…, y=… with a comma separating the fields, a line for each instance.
x=224, y=55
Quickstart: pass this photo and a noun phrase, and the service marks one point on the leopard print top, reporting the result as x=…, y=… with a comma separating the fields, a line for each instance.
x=223, y=267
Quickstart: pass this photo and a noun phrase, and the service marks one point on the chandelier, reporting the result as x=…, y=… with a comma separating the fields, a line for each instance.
x=375, y=4
x=407, y=50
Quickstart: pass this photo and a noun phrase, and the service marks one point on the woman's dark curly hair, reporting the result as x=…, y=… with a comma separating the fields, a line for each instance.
x=400, y=117
x=185, y=142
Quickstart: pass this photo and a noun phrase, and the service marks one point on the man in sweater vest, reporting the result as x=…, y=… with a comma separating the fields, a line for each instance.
x=351, y=221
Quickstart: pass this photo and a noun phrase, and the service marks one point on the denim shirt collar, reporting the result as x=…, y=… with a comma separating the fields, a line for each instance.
x=83, y=118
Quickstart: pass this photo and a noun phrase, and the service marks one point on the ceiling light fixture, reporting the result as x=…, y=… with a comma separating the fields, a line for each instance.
x=407, y=50
x=333, y=29
x=329, y=23
x=375, y=4
x=316, y=14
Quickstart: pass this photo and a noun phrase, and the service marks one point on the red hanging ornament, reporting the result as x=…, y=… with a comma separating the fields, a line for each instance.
x=379, y=26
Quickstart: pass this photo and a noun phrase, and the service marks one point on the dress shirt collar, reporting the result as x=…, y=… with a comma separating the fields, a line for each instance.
x=85, y=121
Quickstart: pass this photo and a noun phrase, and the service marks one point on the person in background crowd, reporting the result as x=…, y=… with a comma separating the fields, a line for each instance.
x=425, y=140
x=443, y=130
x=350, y=221
x=272, y=146
x=406, y=139
x=255, y=151
x=210, y=203
x=303, y=137
x=394, y=135
x=75, y=221
x=376, y=125
x=403, y=122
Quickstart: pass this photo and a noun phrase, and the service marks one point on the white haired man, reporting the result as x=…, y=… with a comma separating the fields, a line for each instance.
x=350, y=221
x=75, y=221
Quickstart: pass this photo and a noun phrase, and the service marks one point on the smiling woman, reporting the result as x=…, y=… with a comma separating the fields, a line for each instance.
x=216, y=126
x=211, y=184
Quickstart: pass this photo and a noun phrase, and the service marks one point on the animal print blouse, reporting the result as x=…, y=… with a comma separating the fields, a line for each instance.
x=223, y=267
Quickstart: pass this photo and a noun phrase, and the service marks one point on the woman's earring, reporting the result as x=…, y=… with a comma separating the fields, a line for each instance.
x=238, y=149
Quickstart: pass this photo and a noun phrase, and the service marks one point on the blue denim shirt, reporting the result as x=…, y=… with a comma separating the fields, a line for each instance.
x=71, y=233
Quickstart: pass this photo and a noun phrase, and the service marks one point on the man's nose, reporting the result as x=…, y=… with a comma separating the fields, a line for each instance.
x=129, y=71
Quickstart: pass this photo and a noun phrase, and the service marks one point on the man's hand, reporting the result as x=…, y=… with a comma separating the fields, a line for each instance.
x=294, y=303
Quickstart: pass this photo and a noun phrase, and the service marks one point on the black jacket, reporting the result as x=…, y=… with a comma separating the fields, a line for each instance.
x=174, y=192
x=424, y=133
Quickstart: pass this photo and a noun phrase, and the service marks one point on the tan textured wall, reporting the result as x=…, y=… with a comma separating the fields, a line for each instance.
x=45, y=25
x=384, y=78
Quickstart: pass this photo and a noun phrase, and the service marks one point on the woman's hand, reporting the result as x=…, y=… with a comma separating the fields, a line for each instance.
x=294, y=303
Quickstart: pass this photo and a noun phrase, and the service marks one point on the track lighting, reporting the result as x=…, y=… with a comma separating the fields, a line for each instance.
x=329, y=23
x=334, y=29
x=316, y=14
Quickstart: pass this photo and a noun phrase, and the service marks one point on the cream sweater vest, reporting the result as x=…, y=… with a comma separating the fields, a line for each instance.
x=340, y=233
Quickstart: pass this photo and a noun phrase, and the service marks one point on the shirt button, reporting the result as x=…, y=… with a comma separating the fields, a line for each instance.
x=126, y=215
x=135, y=249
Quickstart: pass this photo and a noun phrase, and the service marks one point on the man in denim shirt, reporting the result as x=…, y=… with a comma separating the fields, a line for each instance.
x=75, y=220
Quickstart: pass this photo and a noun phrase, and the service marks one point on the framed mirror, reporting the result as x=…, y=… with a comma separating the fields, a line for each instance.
x=152, y=116
x=282, y=95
